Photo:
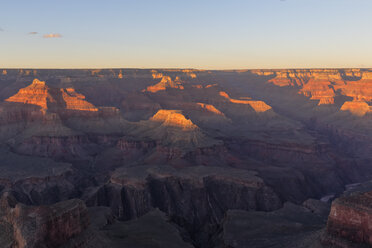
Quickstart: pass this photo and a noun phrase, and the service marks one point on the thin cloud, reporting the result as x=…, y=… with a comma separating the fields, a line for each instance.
x=52, y=36
x=32, y=33
x=1, y=30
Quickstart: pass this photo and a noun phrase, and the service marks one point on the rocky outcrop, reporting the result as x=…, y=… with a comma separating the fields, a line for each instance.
x=190, y=73
x=76, y=101
x=173, y=118
x=210, y=108
x=358, y=108
x=319, y=90
x=258, y=106
x=38, y=93
x=195, y=195
x=44, y=226
x=165, y=82
x=35, y=180
x=349, y=219
x=170, y=128
x=120, y=75
x=322, y=84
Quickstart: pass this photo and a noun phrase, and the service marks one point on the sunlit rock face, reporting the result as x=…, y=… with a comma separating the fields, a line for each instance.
x=165, y=82
x=120, y=75
x=210, y=108
x=38, y=93
x=173, y=118
x=319, y=90
x=76, y=101
x=324, y=84
x=189, y=73
x=258, y=106
x=358, y=108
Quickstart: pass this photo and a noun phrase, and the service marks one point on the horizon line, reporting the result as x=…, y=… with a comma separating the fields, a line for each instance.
x=179, y=68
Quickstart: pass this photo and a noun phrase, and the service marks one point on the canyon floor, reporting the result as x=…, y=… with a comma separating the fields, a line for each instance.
x=185, y=158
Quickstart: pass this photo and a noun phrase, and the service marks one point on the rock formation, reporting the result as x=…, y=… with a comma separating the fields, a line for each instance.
x=258, y=106
x=349, y=219
x=319, y=90
x=321, y=84
x=173, y=118
x=197, y=195
x=120, y=75
x=38, y=93
x=165, y=82
x=210, y=108
x=219, y=168
x=358, y=108
x=44, y=226
x=172, y=129
x=189, y=73
x=76, y=101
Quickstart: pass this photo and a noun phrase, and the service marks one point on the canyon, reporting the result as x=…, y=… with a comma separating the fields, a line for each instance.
x=185, y=158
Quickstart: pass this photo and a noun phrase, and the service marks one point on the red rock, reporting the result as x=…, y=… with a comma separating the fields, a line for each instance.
x=50, y=226
x=350, y=218
x=210, y=108
x=166, y=82
x=321, y=84
x=258, y=106
x=173, y=118
x=38, y=93
x=319, y=90
x=358, y=108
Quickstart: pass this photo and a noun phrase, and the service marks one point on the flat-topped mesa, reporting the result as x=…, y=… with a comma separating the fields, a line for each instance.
x=358, y=108
x=210, y=108
x=350, y=218
x=36, y=94
x=173, y=118
x=258, y=106
x=76, y=101
x=166, y=82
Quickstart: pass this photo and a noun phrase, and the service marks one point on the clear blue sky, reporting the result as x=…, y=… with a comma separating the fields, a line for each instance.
x=210, y=34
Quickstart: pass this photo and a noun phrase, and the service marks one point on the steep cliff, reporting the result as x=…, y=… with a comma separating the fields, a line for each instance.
x=349, y=219
x=44, y=226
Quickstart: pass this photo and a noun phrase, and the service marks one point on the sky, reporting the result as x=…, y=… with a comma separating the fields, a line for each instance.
x=204, y=34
